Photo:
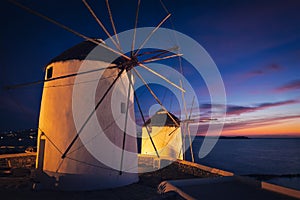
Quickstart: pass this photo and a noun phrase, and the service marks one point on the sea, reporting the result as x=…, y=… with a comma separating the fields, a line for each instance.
x=270, y=159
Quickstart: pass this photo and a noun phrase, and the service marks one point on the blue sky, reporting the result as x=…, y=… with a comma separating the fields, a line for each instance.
x=255, y=44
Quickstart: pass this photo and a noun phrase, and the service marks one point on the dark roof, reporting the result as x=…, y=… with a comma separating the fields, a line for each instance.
x=83, y=51
x=161, y=118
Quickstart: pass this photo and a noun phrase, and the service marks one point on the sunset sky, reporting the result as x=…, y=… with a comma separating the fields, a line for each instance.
x=255, y=44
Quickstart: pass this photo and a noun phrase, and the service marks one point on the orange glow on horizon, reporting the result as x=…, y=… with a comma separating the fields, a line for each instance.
x=281, y=128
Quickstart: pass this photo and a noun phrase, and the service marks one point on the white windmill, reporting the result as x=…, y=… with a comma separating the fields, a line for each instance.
x=64, y=156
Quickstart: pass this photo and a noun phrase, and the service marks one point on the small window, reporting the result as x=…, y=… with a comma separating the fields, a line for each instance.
x=49, y=73
x=123, y=107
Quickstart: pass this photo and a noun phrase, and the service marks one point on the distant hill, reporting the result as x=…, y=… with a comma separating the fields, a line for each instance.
x=227, y=137
x=234, y=137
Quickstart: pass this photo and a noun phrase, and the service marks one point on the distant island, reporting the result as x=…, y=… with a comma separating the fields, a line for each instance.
x=234, y=137
x=226, y=137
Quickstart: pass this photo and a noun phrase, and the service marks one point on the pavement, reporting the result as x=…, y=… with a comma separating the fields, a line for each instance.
x=234, y=188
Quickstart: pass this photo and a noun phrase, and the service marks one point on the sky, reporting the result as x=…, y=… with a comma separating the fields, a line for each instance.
x=255, y=45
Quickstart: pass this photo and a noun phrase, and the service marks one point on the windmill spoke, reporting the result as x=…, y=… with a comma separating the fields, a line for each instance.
x=113, y=24
x=160, y=76
x=135, y=25
x=190, y=140
x=183, y=143
x=126, y=119
x=100, y=23
x=67, y=28
x=173, y=131
x=154, y=96
x=186, y=116
x=162, y=53
x=91, y=114
x=189, y=132
x=193, y=101
x=183, y=100
x=162, y=58
x=175, y=48
x=111, y=66
x=152, y=32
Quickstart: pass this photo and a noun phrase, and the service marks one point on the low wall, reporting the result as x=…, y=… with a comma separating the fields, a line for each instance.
x=196, y=168
x=149, y=163
x=27, y=160
x=20, y=160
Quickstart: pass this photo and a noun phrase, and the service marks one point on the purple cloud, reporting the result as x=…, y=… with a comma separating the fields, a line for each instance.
x=258, y=122
x=237, y=125
x=293, y=85
x=237, y=110
x=264, y=70
x=274, y=67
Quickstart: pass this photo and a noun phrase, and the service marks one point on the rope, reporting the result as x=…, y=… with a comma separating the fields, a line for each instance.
x=108, y=126
x=59, y=165
x=57, y=78
x=83, y=82
x=164, y=6
x=91, y=114
x=51, y=142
